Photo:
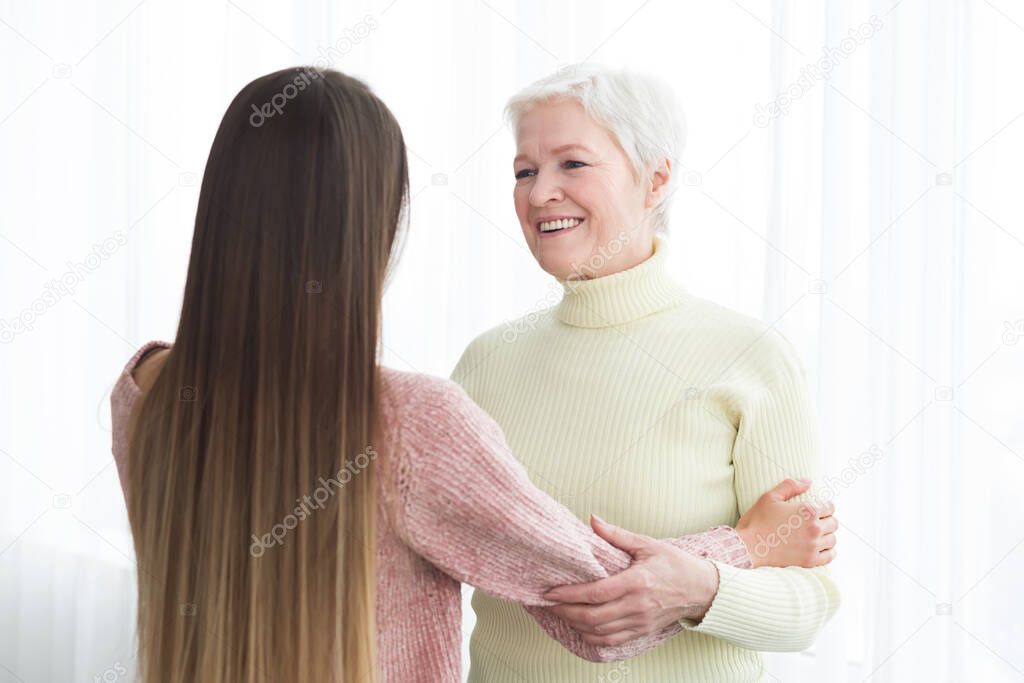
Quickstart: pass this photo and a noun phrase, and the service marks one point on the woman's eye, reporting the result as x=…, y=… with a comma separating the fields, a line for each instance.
x=523, y=174
x=574, y=164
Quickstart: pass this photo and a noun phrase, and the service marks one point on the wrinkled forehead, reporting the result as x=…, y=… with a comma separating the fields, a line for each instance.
x=551, y=128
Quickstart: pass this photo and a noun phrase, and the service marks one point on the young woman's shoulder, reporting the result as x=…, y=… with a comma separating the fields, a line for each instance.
x=414, y=391
x=140, y=372
x=427, y=407
x=137, y=377
x=146, y=371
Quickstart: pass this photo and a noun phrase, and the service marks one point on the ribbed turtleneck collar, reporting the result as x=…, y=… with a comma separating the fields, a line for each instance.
x=621, y=297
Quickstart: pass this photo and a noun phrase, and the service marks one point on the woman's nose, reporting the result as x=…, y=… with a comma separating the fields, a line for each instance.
x=545, y=189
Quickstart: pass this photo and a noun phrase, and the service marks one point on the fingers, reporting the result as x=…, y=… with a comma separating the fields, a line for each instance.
x=788, y=488
x=598, y=619
x=827, y=542
x=623, y=539
x=825, y=556
x=828, y=525
x=593, y=593
x=611, y=639
x=815, y=511
x=635, y=625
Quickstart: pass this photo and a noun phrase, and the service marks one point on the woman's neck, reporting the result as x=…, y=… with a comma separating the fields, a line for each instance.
x=622, y=296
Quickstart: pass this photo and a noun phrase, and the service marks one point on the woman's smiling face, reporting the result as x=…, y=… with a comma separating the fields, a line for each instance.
x=582, y=210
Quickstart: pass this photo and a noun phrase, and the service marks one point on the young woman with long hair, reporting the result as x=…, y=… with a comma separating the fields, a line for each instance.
x=300, y=513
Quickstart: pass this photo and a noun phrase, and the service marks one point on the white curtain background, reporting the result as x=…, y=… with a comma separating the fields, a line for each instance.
x=872, y=215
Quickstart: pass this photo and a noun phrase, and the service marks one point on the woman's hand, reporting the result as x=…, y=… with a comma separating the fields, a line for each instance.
x=665, y=584
x=779, y=533
x=661, y=586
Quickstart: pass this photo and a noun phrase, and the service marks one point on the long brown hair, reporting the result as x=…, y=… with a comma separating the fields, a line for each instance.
x=247, y=571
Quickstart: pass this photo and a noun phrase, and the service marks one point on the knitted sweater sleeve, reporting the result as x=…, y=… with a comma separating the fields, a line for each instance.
x=467, y=506
x=772, y=608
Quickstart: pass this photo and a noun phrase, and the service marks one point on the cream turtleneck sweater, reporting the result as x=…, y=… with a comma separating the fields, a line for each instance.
x=666, y=414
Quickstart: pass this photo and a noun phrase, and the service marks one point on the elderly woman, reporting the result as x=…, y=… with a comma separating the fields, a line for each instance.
x=665, y=412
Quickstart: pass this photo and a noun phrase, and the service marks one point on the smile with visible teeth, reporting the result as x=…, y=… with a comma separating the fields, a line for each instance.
x=552, y=226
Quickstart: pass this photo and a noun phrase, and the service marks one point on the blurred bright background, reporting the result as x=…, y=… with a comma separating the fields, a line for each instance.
x=852, y=176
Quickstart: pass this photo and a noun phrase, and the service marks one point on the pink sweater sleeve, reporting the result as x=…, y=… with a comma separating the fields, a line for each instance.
x=466, y=505
x=122, y=400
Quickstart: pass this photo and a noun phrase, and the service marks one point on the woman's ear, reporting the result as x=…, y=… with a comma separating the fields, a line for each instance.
x=657, y=187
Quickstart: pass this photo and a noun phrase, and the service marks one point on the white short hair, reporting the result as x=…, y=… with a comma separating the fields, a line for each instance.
x=639, y=111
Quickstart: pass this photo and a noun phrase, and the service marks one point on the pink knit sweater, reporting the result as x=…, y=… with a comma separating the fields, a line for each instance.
x=456, y=506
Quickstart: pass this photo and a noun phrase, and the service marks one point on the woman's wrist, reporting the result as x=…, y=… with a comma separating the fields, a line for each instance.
x=703, y=591
x=749, y=538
